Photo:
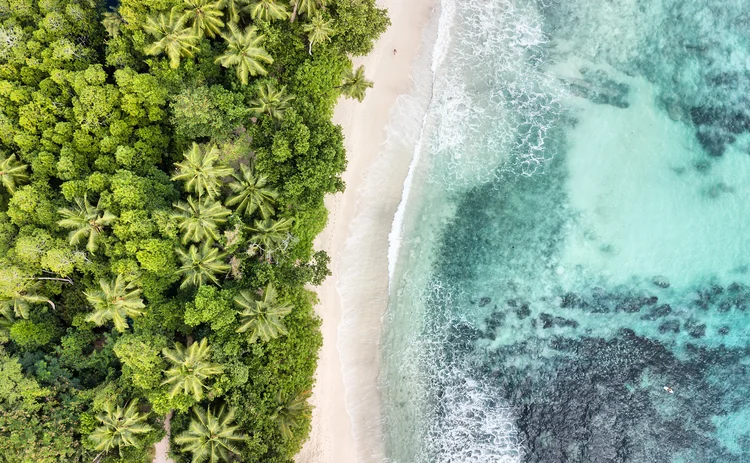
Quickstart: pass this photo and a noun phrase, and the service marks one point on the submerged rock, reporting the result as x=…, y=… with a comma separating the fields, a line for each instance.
x=671, y=326
x=658, y=312
x=548, y=321
x=660, y=281
x=523, y=311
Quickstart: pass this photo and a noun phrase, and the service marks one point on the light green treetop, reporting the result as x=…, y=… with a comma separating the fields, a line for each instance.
x=191, y=367
x=245, y=53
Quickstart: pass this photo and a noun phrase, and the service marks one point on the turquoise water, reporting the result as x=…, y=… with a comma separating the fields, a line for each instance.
x=577, y=238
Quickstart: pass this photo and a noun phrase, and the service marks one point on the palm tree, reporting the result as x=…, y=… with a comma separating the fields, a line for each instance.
x=20, y=302
x=6, y=321
x=245, y=53
x=318, y=30
x=115, y=300
x=112, y=22
x=262, y=317
x=270, y=234
x=211, y=436
x=201, y=171
x=267, y=10
x=355, y=85
x=205, y=16
x=190, y=367
x=271, y=102
x=119, y=428
x=199, y=220
x=86, y=221
x=12, y=172
x=251, y=193
x=234, y=9
x=307, y=7
x=172, y=37
x=291, y=411
x=200, y=265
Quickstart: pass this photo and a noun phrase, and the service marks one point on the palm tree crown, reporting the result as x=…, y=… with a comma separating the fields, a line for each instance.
x=119, y=427
x=211, y=436
x=201, y=265
x=205, y=16
x=252, y=194
x=6, y=321
x=12, y=172
x=267, y=10
x=115, y=300
x=20, y=302
x=355, y=85
x=271, y=101
x=307, y=7
x=262, y=317
x=86, y=221
x=199, y=219
x=290, y=412
x=318, y=30
x=201, y=171
x=234, y=9
x=190, y=367
x=270, y=234
x=245, y=53
x=172, y=37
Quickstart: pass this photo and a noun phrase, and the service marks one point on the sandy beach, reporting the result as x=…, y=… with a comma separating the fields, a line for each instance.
x=365, y=208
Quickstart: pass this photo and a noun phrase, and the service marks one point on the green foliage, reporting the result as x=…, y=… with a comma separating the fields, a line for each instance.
x=120, y=427
x=12, y=172
x=29, y=334
x=141, y=363
x=201, y=265
x=271, y=102
x=201, y=171
x=212, y=306
x=87, y=223
x=191, y=366
x=251, y=193
x=211, y=436
x=205, y=17
x=208, y=112
x=319, y=30
x=268, y=10
x=270, y=236
x=199, y=220
x=115, y=301
x=291, y=412
x=157, y=256
x=262, y=317
x=358, y=23
x=16, y=390
x=245, y=53
x=355, y=84
x=98, y=109
x=172, y=36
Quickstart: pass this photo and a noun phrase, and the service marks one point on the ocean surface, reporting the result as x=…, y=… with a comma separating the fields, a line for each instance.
x=570, y=265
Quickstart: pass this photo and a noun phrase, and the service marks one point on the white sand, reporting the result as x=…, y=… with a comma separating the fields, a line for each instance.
x=332, y=438
x=162, y=447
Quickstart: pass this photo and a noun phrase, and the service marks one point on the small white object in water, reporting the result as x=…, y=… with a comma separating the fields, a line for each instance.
x=669, y=389
x=560, y=270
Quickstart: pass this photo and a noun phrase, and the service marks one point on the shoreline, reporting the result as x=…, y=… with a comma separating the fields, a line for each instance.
x=337, y=434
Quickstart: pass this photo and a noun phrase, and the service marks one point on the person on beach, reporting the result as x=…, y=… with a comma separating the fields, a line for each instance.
x=394, y=52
